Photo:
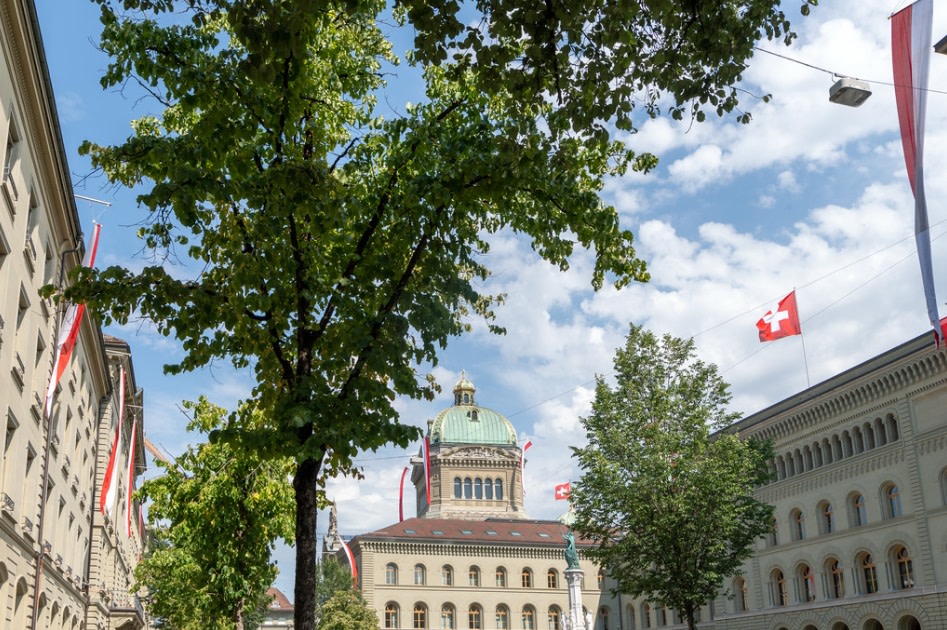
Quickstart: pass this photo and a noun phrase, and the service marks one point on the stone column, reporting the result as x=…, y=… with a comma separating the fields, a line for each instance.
x=576, y=618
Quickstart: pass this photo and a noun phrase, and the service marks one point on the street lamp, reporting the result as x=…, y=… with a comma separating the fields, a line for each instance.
x=848, y=91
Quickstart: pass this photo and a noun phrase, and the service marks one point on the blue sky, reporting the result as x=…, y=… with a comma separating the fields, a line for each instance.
x=810, y=195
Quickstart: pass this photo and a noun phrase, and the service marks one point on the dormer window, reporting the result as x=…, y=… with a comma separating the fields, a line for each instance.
x=466, y=398
x=473, y=415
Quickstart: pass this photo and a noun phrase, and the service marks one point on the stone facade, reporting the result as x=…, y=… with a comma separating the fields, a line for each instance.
x=61, y=566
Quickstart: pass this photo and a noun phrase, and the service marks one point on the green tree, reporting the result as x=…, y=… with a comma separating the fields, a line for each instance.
x=331, y=577
x=668, y=504
x=217, y=515
x=347, y=610
x=338, y=249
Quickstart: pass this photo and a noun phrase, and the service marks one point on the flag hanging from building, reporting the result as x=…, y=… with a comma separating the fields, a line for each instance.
x=110, y=482
x=351, y=558
x=563, y=491
x=404, y=473
x=782, y=320
x=69, y=330
x=525, y=448
x=910, y=56
x=427, y=468
x=130, y=486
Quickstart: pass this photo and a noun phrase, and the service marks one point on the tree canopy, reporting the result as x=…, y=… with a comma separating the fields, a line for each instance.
x=336, y=247
x=668, y=504
x=215, y=516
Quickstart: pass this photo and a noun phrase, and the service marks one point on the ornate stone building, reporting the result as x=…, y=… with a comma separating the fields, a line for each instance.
x=62, y=563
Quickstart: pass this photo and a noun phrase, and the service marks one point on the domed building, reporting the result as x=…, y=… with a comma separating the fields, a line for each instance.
x=472, y=558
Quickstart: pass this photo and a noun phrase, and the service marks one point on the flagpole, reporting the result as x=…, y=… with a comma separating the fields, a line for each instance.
x=802, y=335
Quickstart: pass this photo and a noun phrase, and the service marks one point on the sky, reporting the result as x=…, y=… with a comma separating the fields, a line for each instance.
x=811, y=196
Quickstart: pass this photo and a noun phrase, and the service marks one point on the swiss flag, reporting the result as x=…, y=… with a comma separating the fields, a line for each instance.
x=780, y=321
x=563, y=490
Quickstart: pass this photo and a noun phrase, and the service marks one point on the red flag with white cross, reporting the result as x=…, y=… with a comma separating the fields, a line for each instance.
x=782, y=320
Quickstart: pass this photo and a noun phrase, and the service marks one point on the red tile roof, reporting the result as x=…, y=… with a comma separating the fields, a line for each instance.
x=493, y=531
x=280, y=602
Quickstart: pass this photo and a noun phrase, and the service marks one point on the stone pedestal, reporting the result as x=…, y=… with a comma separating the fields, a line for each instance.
x=575, y=618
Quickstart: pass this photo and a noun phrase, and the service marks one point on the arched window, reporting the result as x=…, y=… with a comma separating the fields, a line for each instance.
x=798, y=523
x=660, y=616
x=527, y=578
x=420, y=616
x=488, y=489
x=420, y=575
x=836, y=575
x=601, y=580
x=458, y=488
x=502, y=618
x=905, y=568
x=474, y=617
x=448, y=621
x=529, y=618
x=552, y=578
x=806, y=583
x=391, y=573
x=478, y=488
x=774, y=533
x=892, y=500
x=826, y=517
x=869, y=574
x=391, y=615
x=447, y=575
x=498, y=489
x=740, y=595
x=778, y=586
x=891, y=428
x=473, y=576
x=468, y=488
x=857, y=507
x=553, y=617
x=602, y=618
x=645, y=615
x=501, y=577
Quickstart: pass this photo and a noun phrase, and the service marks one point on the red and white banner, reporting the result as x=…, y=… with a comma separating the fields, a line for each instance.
x=427, y=468
x=110, y=482
x=910, y=56
x=404, y=473
x=526, y=447
x=563, y=491
x=130, y=486
x=351, y=559
x=69, y=330
x=782, y=320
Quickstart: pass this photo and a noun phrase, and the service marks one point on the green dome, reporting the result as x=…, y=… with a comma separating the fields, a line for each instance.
x=468, y=423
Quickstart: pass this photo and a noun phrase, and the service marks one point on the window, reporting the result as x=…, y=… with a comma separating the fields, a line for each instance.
x=474, y=618
x=552, y=618
x=420, y=616
x=447, y=617
x=420, y=575
x=503, y=618
x=391, y=616
x=447, y=575
x=836, y=578
x=527, y=578
x=902, y=559
x=825, y=513
x=869, y=575
x=478, y=488
x=498, y=489
x=645, y=615
x=806, y=583
x=778, y=586
x=458, y=488
x=552, y=578
x=892, y=500
x=774, y=533
x=859, y=513
x=391, y=573
x=501, y=576
x=740, y=599
x=488, y=489
x=798, y=523
x=473, y=576
x=602, y=618
x=601, y=580
x=468, y=488
x=529, y=618
x=943, y=484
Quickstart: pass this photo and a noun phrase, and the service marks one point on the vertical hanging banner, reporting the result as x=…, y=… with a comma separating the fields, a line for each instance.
x=130, y=486
x=404, y=473
x=910, y=56
x=351, y=558
x=525, y=448
x=69, y=329
x=427, y=468
x=110, y=482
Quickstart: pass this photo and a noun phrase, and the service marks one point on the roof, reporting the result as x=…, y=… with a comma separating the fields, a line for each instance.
x=491, y=531
x=280, y=601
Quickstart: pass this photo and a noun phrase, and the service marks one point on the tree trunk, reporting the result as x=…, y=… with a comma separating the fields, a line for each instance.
x=304, y=484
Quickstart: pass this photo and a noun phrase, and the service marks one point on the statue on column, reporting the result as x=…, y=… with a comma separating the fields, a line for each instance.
x=572, y=556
